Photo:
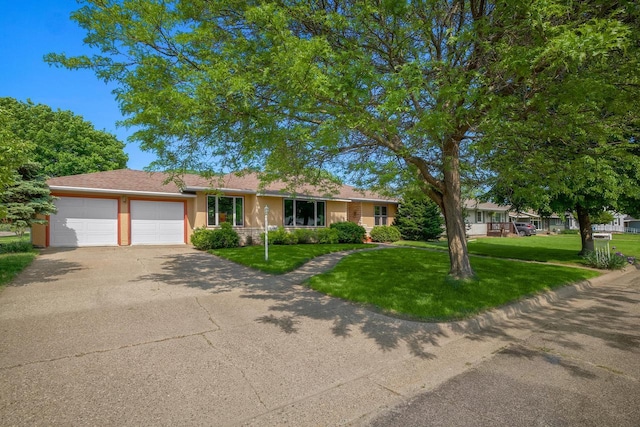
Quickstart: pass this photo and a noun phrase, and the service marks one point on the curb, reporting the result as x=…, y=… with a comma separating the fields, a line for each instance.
x=513, y=310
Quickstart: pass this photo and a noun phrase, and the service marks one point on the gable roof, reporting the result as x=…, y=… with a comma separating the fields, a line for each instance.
x=127, y=181
x=484, y=206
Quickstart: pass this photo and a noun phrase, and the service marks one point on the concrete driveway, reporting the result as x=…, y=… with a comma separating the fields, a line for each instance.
x=172, y=336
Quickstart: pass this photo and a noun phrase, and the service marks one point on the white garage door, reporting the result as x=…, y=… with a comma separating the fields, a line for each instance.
x=84, y=222
x=157, y=223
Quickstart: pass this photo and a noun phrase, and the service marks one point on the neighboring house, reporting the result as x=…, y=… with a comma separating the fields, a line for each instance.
x=617, y=225
x=631, y=225
x=490, y=219
x=482, y=217
x=128, y=207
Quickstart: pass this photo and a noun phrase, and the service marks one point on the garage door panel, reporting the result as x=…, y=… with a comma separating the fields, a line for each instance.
x=84, y=222
x=157, y=223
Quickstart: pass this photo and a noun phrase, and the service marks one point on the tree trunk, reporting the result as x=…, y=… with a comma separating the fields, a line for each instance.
x=586, y=234
x=451, y=206
x=456, y=234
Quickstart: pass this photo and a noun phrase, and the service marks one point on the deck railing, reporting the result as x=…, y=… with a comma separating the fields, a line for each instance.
x=499, y=228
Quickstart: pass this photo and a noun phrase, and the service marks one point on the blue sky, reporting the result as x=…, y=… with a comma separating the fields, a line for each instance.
x=30, y=29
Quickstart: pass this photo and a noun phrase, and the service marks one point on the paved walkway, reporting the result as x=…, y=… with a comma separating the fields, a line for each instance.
x=172, y=336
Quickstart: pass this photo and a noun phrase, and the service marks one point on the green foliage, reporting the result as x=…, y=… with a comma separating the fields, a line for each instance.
x=26, y=199
x=349, y=232
x=603, y=217
x=306, y=235
x=418, y=218
x=201, y=238
x=382, y=91
x=281, y=237
x=327, y=236
x=568, y=231
x=15, y=247
x=301, y=236
x=13, y=150
x=62, y=142
x=385, y=234
x=223, y=237
x=605, y=261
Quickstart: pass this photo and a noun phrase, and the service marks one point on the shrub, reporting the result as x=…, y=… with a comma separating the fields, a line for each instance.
x=327, y=235
x=306, y=235
x=605, y=261
x=14, y=247
x=349, y=232
x=382, y=233
x=566, y=231
x=201, y=238
x=281, y=237
x=223, y=237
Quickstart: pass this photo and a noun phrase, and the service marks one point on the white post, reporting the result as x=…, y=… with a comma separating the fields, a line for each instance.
x=266, y=232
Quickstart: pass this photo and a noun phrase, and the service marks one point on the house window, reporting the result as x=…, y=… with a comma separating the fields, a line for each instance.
x=479, y=216
x=225, y=209
x=380, y=215
x=304, y=213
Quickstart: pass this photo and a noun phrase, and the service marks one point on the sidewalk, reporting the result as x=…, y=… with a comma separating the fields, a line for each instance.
x=575, y=363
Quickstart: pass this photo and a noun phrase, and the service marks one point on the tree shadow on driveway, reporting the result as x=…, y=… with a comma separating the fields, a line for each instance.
x=599, y=312
x=46, y=270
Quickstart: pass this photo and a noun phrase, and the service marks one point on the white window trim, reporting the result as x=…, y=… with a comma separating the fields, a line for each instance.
x=315, y=213
x=233, y=223
x=379, y=217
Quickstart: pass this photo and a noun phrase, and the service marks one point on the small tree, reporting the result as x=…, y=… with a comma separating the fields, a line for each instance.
x=603, y=217
x=418, y=218
x=26, y=198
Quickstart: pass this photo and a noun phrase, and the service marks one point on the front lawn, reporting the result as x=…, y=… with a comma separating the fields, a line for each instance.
x=13, y=263
x=15, y=255
x=562, y=248
x=413, y=282
x=282, y=258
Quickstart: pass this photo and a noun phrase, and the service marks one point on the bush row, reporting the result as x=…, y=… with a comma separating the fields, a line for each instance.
x=301, y=236
x=340, y=232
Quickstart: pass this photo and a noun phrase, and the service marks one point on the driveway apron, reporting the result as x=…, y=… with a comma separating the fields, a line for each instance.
x=173, y=336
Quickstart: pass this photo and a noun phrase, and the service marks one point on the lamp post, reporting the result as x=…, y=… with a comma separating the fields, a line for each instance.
x=266, y=232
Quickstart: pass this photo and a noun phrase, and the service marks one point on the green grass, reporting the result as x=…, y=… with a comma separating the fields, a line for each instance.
x=413, y=283
x=15, y=255
x=282, y=258
x=12, y=264
x=561, y=248
x=14, y=238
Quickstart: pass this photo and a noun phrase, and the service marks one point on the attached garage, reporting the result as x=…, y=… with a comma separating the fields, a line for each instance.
x=157, y=223
x=82, y=221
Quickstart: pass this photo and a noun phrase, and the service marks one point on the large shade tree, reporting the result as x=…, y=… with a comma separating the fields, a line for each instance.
x=378, y=90
x=62, y=142
x=575, y=145
x=13, y=150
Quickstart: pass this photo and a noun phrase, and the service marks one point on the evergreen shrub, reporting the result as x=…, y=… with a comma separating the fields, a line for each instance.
x=418, y=218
